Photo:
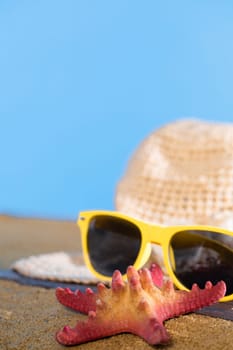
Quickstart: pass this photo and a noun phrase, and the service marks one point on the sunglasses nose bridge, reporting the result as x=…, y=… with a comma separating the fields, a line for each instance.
x=156, y=234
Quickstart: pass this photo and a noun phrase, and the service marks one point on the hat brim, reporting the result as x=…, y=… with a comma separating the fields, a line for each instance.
x=57, y=266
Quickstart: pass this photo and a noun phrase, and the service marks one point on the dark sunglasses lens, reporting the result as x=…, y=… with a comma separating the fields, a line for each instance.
x=201, y=256
x=113, y=243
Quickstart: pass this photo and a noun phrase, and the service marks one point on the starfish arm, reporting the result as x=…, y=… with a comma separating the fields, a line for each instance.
x=92, y=329
x=79, y=301
x=95, y=328
x=181, y=302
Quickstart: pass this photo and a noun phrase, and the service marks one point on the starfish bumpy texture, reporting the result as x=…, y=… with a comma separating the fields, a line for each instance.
x=139, y=306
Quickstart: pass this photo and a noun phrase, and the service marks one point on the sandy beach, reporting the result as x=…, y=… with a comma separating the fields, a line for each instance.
x=30, y=316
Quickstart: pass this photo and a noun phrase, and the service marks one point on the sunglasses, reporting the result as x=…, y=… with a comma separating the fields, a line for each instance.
x=192, y=254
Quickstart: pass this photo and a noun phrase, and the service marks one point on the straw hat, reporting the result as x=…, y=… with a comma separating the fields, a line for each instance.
x=181, y=173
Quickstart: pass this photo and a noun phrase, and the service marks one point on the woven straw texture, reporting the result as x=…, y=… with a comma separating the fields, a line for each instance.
x=181, y=173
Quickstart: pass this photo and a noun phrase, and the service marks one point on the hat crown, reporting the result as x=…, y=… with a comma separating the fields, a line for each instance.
x=181, y=173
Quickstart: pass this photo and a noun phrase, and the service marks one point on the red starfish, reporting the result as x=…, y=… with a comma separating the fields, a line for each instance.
x=139, y=306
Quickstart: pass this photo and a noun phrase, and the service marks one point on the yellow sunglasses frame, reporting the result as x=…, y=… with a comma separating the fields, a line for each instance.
x=150, y=233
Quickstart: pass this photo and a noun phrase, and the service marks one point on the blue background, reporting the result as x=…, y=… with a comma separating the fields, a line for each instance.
x=83, y=82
